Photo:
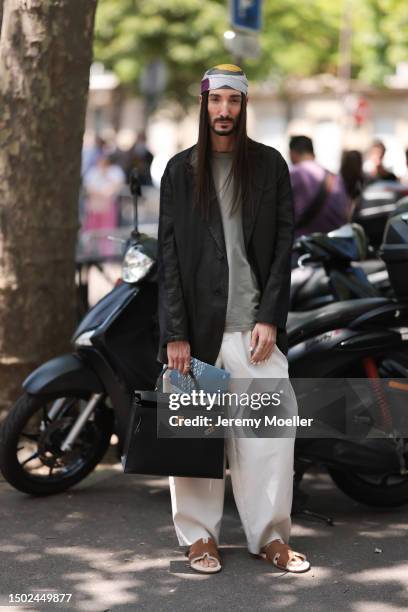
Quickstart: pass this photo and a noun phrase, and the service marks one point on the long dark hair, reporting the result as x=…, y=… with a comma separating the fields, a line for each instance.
x=240, y=168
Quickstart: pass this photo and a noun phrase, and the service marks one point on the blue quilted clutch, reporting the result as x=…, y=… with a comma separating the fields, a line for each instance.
x=208, y=377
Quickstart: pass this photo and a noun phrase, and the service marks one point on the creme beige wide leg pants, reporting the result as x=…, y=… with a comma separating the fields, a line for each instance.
x=261, y=468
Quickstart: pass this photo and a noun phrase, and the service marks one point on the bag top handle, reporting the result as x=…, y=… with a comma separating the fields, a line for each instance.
x=189, y=373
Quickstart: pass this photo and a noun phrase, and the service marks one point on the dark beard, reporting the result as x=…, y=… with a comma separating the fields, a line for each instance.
x=224, y=132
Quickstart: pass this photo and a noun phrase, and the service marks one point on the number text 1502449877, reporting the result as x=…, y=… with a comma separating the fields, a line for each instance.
x=49, y=597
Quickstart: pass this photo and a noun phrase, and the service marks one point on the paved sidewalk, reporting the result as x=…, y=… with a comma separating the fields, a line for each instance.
x=110, y=542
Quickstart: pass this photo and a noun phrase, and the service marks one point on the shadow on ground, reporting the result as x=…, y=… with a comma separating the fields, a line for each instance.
x=110, y=542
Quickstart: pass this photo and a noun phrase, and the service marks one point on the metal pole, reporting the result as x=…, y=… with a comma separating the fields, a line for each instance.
x=344, y=65
x=345, y=40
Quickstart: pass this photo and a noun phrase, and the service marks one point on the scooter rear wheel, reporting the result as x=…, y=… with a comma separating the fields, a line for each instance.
x=385, y=491
x=30, y=459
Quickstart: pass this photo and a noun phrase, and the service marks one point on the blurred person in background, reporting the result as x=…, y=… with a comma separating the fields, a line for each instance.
x=404, y=179
x=374, y=165
x=351, y=170
x=93, y=148
x=139, y=157
x=102, y=183
x=320, y=198
x=91, y=154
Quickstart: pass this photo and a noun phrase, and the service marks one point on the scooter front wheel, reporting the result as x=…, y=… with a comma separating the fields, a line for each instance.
x=30, y=456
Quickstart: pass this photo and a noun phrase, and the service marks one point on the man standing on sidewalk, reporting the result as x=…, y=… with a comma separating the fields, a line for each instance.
x=320, y=198
x=225, y=238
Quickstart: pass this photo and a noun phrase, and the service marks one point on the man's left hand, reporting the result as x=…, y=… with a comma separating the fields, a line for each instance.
x=263, y=340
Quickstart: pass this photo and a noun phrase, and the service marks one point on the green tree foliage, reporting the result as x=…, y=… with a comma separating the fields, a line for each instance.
x=299, y=37
x=381, y=38
x=186, y=34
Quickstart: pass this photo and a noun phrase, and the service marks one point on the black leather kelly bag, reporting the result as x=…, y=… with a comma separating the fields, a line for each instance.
x=146, y=452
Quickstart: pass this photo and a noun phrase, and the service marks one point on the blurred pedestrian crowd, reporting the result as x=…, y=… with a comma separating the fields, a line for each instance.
x=324, y=201
x=105, y=175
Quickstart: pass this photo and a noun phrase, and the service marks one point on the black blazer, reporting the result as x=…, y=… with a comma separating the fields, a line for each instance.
x=192, y=260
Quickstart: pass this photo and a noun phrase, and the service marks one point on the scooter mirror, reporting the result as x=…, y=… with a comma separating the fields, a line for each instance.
x=136, y=191
x=135, y=188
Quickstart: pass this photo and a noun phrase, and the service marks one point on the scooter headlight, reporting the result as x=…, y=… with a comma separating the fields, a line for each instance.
x=136, y=265
x=85, y=338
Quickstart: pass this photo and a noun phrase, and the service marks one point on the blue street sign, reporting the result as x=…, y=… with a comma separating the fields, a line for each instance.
x=246, y=14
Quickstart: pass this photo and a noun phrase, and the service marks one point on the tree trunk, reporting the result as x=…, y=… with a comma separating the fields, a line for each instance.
x=45, y=55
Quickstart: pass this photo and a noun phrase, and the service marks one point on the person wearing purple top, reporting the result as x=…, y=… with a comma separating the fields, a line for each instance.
x=320, y=199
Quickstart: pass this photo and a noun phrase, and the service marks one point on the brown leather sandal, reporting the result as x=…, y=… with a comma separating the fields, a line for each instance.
x=205, y=547
x=284, y=558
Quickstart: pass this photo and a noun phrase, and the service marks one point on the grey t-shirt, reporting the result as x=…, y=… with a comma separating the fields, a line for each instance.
x=243, y=291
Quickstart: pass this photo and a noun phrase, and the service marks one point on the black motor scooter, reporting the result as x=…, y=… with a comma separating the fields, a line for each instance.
x=340, y=265
x=378, y=200
x=336, y=266
x=361, y=338
x=61, y=427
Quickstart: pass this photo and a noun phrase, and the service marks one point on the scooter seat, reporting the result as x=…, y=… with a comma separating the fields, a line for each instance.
x=308, y=284
x=302, y=325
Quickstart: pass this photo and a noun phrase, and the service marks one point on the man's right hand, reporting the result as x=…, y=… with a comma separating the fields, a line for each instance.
x=179, y=356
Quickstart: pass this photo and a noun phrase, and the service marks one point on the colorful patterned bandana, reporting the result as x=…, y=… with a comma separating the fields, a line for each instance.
x=225, y=75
